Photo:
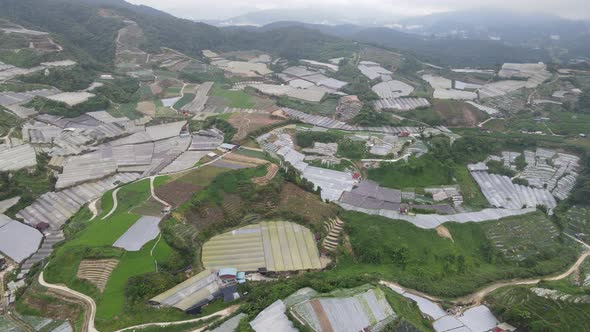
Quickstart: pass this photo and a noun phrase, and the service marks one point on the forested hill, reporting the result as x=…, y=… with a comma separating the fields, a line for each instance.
x=445, y=52
x=92, y=25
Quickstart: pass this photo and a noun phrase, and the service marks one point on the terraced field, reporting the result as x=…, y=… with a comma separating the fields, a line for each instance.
x=576, y=219
x=97, y=271
x=521, y=307
x=520, y=238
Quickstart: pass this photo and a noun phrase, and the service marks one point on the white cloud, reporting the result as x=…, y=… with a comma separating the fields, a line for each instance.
x=221, y=9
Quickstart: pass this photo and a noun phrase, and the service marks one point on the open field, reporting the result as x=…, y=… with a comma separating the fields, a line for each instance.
x=417, y=172
x=246, y=123
x=422, y=260
x=38, y=301
x=183, y=186
x=237, y=99
x=295, y=199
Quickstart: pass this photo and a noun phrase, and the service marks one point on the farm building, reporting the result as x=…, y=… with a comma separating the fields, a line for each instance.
x=372, y=70
x=17, y=240
x=17, y=157
x=275, y=246
x=392, y=89
x=358, y=309
x=194, y=293
x=321, y=65
x=273, y=318
x=369, y=195
x=364, y=308
x=167, y=130
x=401, y=104
x=325, y=122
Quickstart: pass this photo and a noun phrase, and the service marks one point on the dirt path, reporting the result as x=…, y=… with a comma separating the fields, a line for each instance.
x=181, y=96
x=444, y=232
x=115, y=203
x=154, y=192
x=90, y=314
x=222, y=313
x=93, y=209
x=484, y=122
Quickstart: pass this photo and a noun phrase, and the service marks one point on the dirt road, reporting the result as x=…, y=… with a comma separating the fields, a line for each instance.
x=115, y=203
x=90, y=314
x=222, y=314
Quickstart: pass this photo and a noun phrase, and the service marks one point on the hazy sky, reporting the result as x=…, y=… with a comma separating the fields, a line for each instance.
x=222, y=9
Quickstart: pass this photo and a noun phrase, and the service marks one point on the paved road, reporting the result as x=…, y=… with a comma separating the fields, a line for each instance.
x=89, y=318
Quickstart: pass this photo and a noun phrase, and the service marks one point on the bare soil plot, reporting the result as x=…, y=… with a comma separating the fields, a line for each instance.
x=458, y=113
x=184, y=186
x=306, y=204
x=444, y=232
x=52, y=304
x=147, y=107
x=97, y=271
x=177, y=192
x=246, y=123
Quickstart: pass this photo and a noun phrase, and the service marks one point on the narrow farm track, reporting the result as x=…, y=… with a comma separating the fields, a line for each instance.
x=6, y=137
x=90, y=314
x=181, y=96
x=115, y=203
x=222, y=314
x=477, y=298
x=93, y=209
x=153, y=191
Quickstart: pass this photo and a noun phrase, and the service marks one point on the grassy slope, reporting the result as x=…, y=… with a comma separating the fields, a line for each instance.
x=238, y=99
x=432, y=262
x=417, y=172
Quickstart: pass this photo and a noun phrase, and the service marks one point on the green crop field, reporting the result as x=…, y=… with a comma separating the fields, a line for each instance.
x=238, y=99
x=420, y=259
x=523, y=308
x=128, y=110
x=173, y=91
x=575, y=219
x=417, y=172
x=186, y=98
x=521, y=238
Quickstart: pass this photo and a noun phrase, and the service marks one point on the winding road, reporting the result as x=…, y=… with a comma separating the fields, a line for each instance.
x=115, y=204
